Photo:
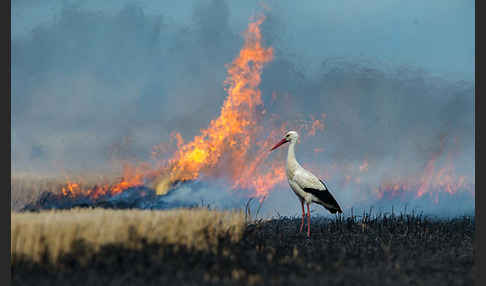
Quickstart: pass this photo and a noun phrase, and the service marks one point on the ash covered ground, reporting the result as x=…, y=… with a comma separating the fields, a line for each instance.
x=400, y=249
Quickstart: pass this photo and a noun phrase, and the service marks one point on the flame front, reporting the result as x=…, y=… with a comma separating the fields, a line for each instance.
x=431, y=182
x=224, y=148
x=232, y=134
x=132, y=177
x=236, y=146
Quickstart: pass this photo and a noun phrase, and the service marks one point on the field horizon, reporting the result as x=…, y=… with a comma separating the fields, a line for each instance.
x=207, y=247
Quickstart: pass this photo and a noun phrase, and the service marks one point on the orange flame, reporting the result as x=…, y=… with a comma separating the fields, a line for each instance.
x=234, y=131
x=261, y=181
x=316, y=125
x=231, y=146
x=431, y=182
x=225, y=143
x=364, y=166
x=132, y=177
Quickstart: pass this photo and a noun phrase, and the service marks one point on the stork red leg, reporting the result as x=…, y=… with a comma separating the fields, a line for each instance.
x=308, y=221
x=303, y=215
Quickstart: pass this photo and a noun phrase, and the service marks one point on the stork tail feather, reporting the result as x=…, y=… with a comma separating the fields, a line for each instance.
x=327, y=199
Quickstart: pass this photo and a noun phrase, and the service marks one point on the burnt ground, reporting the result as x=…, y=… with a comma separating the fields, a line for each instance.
x=379, y=250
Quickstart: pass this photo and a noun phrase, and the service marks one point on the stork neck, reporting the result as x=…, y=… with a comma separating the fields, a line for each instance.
x=291, y=161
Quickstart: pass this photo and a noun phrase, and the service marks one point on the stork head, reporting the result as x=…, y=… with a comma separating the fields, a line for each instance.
x=291, y=136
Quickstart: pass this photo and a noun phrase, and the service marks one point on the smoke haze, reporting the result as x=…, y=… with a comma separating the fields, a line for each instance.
x=96, y=82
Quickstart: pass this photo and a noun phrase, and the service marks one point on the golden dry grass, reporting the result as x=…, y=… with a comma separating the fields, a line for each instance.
x=55, y=231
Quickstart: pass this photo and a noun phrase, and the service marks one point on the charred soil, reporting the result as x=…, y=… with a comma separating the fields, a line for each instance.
x=406, y=249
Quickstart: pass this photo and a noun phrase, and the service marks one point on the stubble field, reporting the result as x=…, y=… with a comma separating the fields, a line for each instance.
x=208, y=247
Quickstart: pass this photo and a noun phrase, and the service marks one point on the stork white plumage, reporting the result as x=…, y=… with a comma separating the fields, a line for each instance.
x=306, y=186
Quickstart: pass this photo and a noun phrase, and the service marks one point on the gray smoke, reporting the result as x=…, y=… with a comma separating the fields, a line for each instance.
x=92, y=84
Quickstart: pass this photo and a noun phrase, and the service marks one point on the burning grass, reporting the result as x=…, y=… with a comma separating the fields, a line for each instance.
x=202, y=247
x=235, y=147
x=28, y=188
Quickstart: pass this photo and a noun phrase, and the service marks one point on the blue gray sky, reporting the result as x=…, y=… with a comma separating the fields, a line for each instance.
x=435, y=35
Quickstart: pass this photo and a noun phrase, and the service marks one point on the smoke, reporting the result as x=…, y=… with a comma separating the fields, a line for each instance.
x=92, y=85
x=395, y=121
x=85, y=81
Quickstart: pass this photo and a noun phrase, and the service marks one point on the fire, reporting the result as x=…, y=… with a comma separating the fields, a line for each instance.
x=132, y=177
x=316, y=125
x=235, y=146
x=261, y=182
x=445, y=179
x=364, y=166
x=232, y=134
x=431, y=182
x=427, y=178
x=71, y=188
x=225, y=144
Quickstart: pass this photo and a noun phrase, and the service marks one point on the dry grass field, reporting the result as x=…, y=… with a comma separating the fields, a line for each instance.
x=206, y=247
x=25, y=189
x=52, y=233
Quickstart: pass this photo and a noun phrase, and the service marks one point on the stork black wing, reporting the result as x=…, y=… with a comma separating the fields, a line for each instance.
x=325, y=196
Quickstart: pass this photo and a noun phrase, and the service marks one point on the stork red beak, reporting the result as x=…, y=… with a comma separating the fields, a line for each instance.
x=283, y=141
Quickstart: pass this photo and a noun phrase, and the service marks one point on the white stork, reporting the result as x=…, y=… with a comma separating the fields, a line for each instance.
x=306, y=186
